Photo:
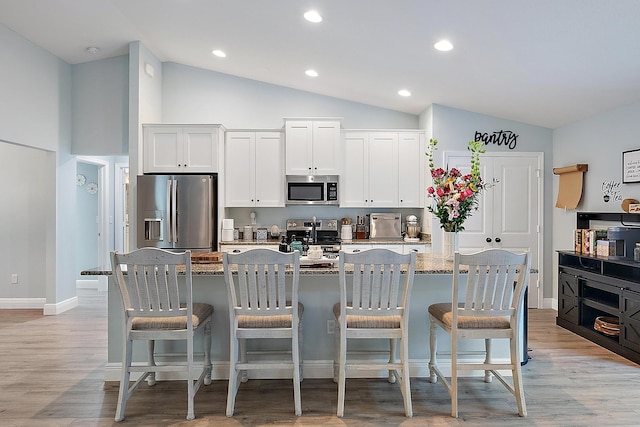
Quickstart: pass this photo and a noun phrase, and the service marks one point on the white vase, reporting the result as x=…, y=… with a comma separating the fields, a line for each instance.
x=450, y=244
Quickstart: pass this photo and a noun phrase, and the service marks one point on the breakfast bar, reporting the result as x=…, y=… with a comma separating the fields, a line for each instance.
x=319, y=290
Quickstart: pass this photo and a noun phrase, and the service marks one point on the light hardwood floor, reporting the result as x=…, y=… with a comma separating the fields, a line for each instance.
x=53, y=369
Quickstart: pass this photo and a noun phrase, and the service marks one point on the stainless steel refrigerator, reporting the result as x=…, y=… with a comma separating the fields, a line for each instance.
x=177, y=211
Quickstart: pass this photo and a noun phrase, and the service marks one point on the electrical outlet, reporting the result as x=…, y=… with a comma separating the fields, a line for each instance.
x=331, y=326
x=14, y=278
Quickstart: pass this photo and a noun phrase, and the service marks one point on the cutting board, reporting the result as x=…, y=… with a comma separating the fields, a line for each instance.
x=206, y=257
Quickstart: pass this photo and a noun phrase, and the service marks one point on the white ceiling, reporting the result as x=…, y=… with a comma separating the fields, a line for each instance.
x=543, y=62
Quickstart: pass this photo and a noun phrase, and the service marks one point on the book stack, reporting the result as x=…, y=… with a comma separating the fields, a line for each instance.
x=585, y=240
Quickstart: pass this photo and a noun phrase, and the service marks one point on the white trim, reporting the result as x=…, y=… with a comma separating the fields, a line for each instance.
x=60, y=307
x=551, y=303
x=311, y=369
x=103, y=206
x=120, y=201
x=87, y=284
x=100, y=283
x=22, y=303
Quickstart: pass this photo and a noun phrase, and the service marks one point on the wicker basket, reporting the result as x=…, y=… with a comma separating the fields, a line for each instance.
x=607, y=325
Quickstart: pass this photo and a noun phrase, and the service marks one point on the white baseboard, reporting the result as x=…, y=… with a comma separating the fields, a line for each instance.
x=87, y=284
x=60, y=307
x=312, y=369
x=100, y=283
x=551, y=303
x=22, y=303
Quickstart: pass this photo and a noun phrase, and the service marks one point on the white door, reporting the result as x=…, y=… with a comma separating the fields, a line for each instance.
x=510, y=210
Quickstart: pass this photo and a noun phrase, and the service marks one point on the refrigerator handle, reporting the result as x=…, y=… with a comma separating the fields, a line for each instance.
x=174, y=210
x=169, y=211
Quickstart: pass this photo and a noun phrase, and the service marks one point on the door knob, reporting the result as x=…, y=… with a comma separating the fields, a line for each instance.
x=498, y=240
x=488, y=239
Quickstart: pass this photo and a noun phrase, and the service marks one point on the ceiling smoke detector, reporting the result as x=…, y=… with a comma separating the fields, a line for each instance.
x=92, y=50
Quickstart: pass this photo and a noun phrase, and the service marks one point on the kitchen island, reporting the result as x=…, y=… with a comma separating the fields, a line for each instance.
x=319, y=290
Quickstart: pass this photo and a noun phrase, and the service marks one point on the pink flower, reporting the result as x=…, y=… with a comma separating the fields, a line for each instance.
x=430, y=190
x=437, y=173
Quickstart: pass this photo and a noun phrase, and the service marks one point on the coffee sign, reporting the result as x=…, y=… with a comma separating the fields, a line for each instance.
x=501, y=137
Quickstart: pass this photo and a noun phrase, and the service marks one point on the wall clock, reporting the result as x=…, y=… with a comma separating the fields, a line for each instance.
x=80, y=180
x=92, y=188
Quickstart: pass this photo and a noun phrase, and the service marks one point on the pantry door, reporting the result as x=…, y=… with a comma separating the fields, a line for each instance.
x=509, y=211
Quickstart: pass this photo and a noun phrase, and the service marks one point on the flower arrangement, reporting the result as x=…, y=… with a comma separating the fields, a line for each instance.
x=455, y=195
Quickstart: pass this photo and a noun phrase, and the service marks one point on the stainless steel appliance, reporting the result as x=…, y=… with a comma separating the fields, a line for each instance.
x=326, y=232
x=412, y=229
x=385, y=226
x=312, y=190
x=177, y=211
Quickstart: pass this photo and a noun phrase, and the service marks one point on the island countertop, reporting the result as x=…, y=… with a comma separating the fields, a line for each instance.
x=425, y=264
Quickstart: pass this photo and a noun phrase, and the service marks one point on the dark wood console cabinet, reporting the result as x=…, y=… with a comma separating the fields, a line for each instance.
x=589, y=287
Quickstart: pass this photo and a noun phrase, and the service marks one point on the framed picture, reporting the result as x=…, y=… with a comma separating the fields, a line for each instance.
x=631, y=166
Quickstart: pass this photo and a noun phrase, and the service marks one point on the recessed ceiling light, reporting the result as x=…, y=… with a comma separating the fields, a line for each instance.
x=313, y=16
x=219, y=53
x=92, y=50
x=443, y=45
x=311, y=73
x=404, y=92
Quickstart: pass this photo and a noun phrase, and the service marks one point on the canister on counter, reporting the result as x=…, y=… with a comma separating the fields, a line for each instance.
x=248, y=233
x=636, y=253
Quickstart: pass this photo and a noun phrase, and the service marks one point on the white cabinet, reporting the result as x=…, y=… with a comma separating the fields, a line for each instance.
x=411, y=169
x=421, y=248
x=312, y=147
x=243, y=248
x=383, y=169
x=181, y=149
x=405, y=248
x=254, y=169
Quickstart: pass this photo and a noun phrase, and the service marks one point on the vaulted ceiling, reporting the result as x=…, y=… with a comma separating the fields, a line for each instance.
x=543, y=62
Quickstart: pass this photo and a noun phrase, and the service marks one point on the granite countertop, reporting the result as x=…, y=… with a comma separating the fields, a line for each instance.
x=424, y=240
x=425, y=264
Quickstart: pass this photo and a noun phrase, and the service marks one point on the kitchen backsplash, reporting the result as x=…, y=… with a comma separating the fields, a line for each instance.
x=266, y=217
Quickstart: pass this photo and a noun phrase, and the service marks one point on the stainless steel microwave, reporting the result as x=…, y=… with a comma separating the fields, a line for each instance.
x=312, y=190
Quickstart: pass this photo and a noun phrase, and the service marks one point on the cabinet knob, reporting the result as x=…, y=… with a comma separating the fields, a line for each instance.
x=488, y=239
x=498, y=240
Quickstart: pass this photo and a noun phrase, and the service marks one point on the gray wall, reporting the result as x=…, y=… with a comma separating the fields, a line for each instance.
x=100, y=95
x=36, y=112
x=86, y=224
x=599, y=142
x=193, y=95
x=454, y=128
x=22, y=221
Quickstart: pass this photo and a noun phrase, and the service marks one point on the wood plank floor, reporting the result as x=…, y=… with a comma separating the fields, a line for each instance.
x=53, y=369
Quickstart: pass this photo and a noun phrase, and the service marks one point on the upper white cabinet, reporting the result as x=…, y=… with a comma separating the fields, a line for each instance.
x=181, y=149
x=254, y=169
x=383, y=169
x=411, y=169
x=312, y=147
